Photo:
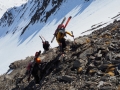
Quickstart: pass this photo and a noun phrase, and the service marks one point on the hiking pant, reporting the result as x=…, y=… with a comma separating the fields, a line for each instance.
x=63, y=44
x=36, y=78
x=35, y=73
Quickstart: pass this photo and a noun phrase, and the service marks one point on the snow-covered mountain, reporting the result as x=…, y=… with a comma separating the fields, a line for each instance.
x=21, y=25
x=6, y=4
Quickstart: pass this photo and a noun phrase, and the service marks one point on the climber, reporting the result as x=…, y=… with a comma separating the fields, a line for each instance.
x=46, y=44
x=60, y=34
x=37, y=53
x=33, y=68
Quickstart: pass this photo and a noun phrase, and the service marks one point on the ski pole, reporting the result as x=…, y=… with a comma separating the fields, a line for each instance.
x=52, y=39
x=73, y=35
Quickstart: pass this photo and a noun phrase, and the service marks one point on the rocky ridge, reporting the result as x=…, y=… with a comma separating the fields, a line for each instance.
x=91, y=63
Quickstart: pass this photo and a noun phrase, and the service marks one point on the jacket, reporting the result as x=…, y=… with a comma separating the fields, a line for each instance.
x=60, y=36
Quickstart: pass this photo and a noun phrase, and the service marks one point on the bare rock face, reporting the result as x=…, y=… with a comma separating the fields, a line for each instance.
x=93, y=63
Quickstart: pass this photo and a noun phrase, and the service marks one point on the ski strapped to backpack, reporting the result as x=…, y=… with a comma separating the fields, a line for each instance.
x=68, y=21
x=61, y=24
x=57, y=29
x=41, y=38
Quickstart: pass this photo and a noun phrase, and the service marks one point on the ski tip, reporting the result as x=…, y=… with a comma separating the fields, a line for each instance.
x=70, y=17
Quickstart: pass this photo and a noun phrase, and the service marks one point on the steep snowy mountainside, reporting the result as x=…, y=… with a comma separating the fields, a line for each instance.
x=30, y=18
x=21, y=18
x=6, y=4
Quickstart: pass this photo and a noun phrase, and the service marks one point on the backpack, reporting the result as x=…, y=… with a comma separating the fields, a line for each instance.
x=60, y=27
x=37, y=54
x=46, y=45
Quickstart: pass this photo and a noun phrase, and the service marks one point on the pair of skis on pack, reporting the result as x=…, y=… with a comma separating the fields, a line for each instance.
x=61, y=24
x=42, y=38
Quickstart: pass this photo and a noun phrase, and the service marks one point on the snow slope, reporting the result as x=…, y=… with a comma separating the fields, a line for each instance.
x=84, y=16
